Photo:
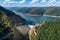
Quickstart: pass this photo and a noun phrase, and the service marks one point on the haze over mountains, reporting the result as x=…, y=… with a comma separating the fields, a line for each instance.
x=38, y=10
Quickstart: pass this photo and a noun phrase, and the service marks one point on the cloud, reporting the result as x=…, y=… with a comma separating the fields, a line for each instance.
x=11, y=1
x=23, y=1
x=43, y=1
x=33, y=1
x=57, y=3
x=52, y=0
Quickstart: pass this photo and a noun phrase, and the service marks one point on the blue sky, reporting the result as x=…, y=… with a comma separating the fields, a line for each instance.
x=29, y=3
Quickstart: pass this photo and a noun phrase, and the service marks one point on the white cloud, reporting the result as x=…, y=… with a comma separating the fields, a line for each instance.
x=57, y=3
x=33, y=1
x=52, y=0
x=23, y=1
x=10, y=1
x=43, y=1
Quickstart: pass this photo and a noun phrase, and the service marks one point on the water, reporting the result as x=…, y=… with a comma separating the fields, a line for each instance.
x=36, y=19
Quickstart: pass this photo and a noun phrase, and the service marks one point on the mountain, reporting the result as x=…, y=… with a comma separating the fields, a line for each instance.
x=37, y=11
x=25, y=9
x=40, y=10
x=47, y=31
x=13, y=8
x=16, y=19
x=8, y=20
x=53, y=11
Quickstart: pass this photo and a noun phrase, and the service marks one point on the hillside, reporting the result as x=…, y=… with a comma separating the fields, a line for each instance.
x=7, y=29
x=33, y=10
x=25, y=9
x=40, y=10
x=8, y=20
x=37, y=11
x=16, y=19
x=48, y=31
x=53, y=11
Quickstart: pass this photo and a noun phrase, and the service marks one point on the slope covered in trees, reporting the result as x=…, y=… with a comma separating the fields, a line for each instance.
x=37, y=11
x=7, y=25
x=53, y=12
x=24, y=9
x=48, y=31
x=16, y=19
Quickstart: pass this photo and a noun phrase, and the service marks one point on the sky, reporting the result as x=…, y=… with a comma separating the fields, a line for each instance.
x=29, y=3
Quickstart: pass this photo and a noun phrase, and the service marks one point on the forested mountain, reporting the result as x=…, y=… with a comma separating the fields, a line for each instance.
x=40, y=10
x=25, y=9
x=8, y=20
x=48, y=31
x=37, y=11
x=53, y=12
x=16, y=19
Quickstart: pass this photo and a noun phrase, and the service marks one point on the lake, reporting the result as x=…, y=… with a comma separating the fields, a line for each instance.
x=36, y=19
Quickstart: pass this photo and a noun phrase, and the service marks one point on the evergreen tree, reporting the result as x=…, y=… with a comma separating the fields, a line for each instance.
x=48, y=31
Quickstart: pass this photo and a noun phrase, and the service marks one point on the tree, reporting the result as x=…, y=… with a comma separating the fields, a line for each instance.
x=48, y=31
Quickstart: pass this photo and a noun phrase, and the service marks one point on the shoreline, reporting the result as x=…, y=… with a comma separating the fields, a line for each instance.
x=51, y=16
x=32, y=15
x=44, y=15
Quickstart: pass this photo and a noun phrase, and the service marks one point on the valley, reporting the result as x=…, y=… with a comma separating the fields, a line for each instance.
x=35, y=23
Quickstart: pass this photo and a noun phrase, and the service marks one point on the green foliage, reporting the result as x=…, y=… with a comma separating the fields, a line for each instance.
x=8, y=20
x=48, y=31
x=6, y=25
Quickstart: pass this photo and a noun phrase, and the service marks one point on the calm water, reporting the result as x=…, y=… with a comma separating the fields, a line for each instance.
x=36, y=19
